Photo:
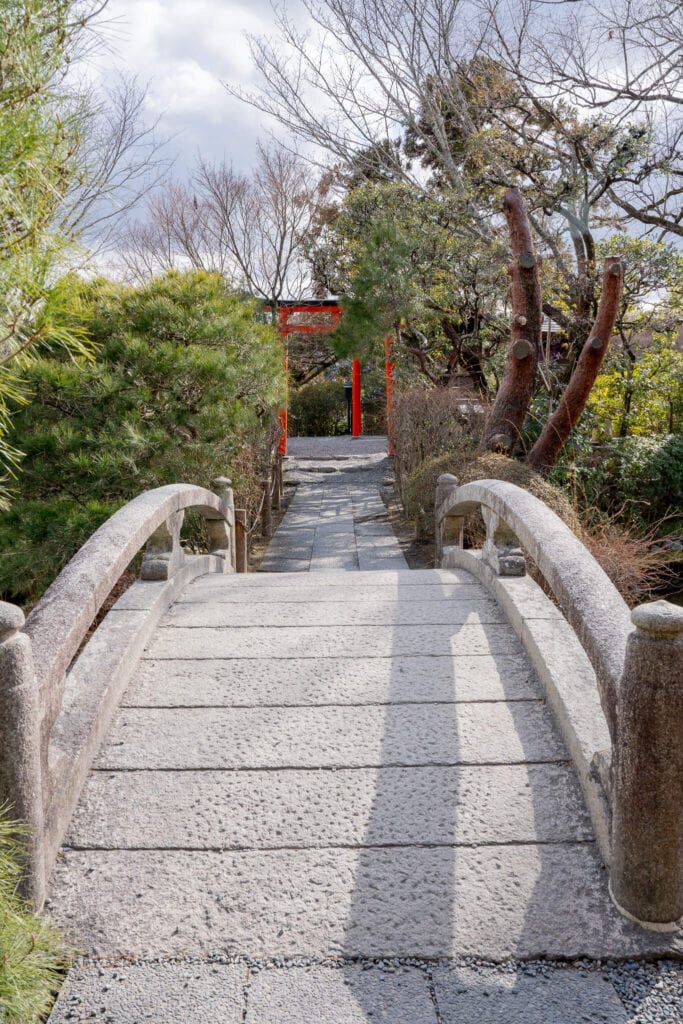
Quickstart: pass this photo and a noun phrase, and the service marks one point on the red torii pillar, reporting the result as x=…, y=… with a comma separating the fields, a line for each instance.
x=389, y=383
x=286, y=327
x=356, y=412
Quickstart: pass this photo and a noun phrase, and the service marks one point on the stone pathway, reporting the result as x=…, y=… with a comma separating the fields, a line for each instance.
x=337, y=797
x=337, y=519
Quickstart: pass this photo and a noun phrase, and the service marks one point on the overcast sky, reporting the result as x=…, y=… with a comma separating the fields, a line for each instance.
x=185, y=48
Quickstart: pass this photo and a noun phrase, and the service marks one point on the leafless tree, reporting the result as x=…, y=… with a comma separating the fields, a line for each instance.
x=383, y=69
x=623, y=58
x=250, y=228
x=364, y=75
x=119, y=160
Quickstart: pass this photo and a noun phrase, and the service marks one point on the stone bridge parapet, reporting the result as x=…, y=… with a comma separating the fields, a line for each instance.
x=613, y=678
x=56, y=704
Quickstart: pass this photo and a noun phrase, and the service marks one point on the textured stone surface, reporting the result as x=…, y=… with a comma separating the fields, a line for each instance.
x=366, y=587
x=589, y=600
x=525, y=900
x=566, y=674
x=335, y=447
x=398, y=579
x=330, y=736
x=332, y=642
x=348, y=995
x=294, y=681
x=371, y=807
x=160, y=993
x=336, y=520
x=492, y=996
x=476, y=608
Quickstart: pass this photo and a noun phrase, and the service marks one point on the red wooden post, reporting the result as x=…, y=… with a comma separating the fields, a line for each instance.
x=389, y=370
x=282, y=413
x=356, y=417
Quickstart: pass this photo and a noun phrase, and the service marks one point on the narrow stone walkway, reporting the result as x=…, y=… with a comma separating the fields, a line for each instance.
x=339, y=797
x=337, y=519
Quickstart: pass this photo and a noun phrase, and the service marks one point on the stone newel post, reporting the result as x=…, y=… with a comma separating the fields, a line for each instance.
x=647, y=831
x=221, y=526
x=447, y=530
x=20, y=771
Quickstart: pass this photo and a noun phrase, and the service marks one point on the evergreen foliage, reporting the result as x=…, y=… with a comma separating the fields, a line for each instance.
x=182, y=389
x=41, y=125
x=32, y=955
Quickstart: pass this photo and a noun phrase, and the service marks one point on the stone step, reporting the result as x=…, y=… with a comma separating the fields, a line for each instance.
x=380, y=577
x=265, y=737
x=492, y=902
x=343, y=807
x=332, y=641
x=308, y=589
x=363, y=611
x=293, y=681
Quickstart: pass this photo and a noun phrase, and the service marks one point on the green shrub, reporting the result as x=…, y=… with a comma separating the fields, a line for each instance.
x=637, y=479
x=33, y=956
x=320, y=409
x=182, y=388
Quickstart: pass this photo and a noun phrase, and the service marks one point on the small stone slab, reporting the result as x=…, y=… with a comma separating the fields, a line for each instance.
x=478, y=608
x=360, y=807
x=160, y=993
x=415, y=734
x=278, y=563
x=344, y=562
x=494, y=902
x=245, y=682
x=392, y=578
x=491, y=996
x=332, y=642
x=343, y=995
x=343, y=590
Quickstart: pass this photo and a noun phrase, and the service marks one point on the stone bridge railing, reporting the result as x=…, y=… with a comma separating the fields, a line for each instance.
x=613, y=679
x=56, y=707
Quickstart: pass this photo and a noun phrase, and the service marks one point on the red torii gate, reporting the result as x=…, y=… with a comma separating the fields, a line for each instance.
x=289, y=314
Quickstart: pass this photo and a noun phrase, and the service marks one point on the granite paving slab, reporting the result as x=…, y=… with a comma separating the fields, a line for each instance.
x=161, y=993
x=346, y=807
x=492, y=996
x=348, y=995
x=332, y=642
x=493, y=902
x=475, y=608
x=243, y=682
x=415, y=734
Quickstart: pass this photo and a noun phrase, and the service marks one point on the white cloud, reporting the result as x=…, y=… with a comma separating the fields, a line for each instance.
x=185, y=49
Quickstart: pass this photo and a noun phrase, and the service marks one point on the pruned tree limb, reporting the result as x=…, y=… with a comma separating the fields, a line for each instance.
x=517, y=386
x=559, y=426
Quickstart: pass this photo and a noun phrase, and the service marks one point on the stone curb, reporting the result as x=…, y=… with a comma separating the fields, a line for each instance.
x=566, y=675
x=95, y=684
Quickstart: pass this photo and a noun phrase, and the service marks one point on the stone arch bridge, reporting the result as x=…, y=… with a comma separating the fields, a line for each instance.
x=341, y=789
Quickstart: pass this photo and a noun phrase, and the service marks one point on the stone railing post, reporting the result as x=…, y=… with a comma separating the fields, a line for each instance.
x=445, y=529
x=163, y=555
x=501, y=550
x=647, y=831
x=220, y=526
x=20, y=761
x=241, y=540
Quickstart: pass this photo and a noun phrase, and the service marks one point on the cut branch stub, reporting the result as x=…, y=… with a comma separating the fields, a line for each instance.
x=559, y=426
x=517, y=386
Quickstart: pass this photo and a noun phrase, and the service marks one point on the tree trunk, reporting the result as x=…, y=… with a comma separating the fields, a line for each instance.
x=559, y=426
x=517, y=386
